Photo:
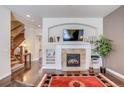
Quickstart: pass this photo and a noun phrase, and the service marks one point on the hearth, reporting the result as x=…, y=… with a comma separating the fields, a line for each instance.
x=73, y=60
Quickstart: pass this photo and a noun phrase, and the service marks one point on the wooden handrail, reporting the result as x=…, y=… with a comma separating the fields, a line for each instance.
x=17, y=32
x=17, y=41
x=16, y=27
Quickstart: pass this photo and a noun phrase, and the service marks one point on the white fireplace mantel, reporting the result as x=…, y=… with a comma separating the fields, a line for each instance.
x=59, y=48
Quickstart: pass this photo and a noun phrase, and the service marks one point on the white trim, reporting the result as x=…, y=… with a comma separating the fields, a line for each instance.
x=45, y=67
x=115, y=73
x=5, y=75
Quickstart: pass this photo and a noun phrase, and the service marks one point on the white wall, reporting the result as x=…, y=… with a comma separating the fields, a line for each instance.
x=32, y=41
x=5, y=69
x=58, y=30
x=49, y=22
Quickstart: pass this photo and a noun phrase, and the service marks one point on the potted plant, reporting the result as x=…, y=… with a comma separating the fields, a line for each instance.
x=103, y=46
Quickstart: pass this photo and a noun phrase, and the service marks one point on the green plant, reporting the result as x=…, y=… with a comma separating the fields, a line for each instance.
x=103, y=46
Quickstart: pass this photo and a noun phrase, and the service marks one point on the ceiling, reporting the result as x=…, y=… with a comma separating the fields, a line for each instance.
x=37, y=12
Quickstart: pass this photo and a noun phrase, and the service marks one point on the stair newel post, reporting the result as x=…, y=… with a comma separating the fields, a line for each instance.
x=21, y=54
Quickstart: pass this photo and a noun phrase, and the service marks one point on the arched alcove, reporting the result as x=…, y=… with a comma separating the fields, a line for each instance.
x=55, y=31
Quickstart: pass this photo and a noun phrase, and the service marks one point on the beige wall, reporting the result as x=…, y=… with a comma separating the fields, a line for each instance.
x=5, y=67
x=113, y=28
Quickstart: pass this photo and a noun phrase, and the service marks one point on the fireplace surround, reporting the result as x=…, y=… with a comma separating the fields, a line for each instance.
x=73, y=55
x=62, y=51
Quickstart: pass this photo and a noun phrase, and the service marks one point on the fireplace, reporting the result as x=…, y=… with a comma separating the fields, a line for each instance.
x=78, y=51
x=73, y=60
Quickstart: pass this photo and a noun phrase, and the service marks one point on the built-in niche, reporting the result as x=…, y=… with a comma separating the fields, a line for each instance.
x=55, y=33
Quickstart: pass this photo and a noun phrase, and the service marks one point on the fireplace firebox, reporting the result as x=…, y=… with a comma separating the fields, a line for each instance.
x=73, y=60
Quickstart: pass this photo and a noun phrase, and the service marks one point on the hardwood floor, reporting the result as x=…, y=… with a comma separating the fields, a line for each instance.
x=30, y=77
x=33, y=76
x=115, y=80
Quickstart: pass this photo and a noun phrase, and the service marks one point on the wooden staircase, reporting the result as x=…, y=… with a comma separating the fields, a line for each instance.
x=18, y=40
x=14, y=60
x=17, y=37
x=17, y=34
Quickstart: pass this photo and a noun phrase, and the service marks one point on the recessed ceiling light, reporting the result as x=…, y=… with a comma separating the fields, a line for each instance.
x=39, y=26
x=32, y=20
x=28, y=16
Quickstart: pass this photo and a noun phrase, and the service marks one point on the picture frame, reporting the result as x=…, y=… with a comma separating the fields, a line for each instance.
x=50, y=53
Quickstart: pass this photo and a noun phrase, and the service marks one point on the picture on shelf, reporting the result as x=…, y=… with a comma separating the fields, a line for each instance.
x=50, y=53
x=51, y=39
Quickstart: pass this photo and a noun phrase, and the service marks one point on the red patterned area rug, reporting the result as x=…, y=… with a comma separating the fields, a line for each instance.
x=75, y=81
x=61, y=80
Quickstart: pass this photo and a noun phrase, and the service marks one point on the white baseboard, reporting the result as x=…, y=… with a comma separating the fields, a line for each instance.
x=5, y=75
x=48, y=67
x=118, y=75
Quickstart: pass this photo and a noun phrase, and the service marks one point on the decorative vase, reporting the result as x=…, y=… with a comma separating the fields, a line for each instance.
x=58, y=38
x=51, y=39
x=91, y=70
x=102, y=70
